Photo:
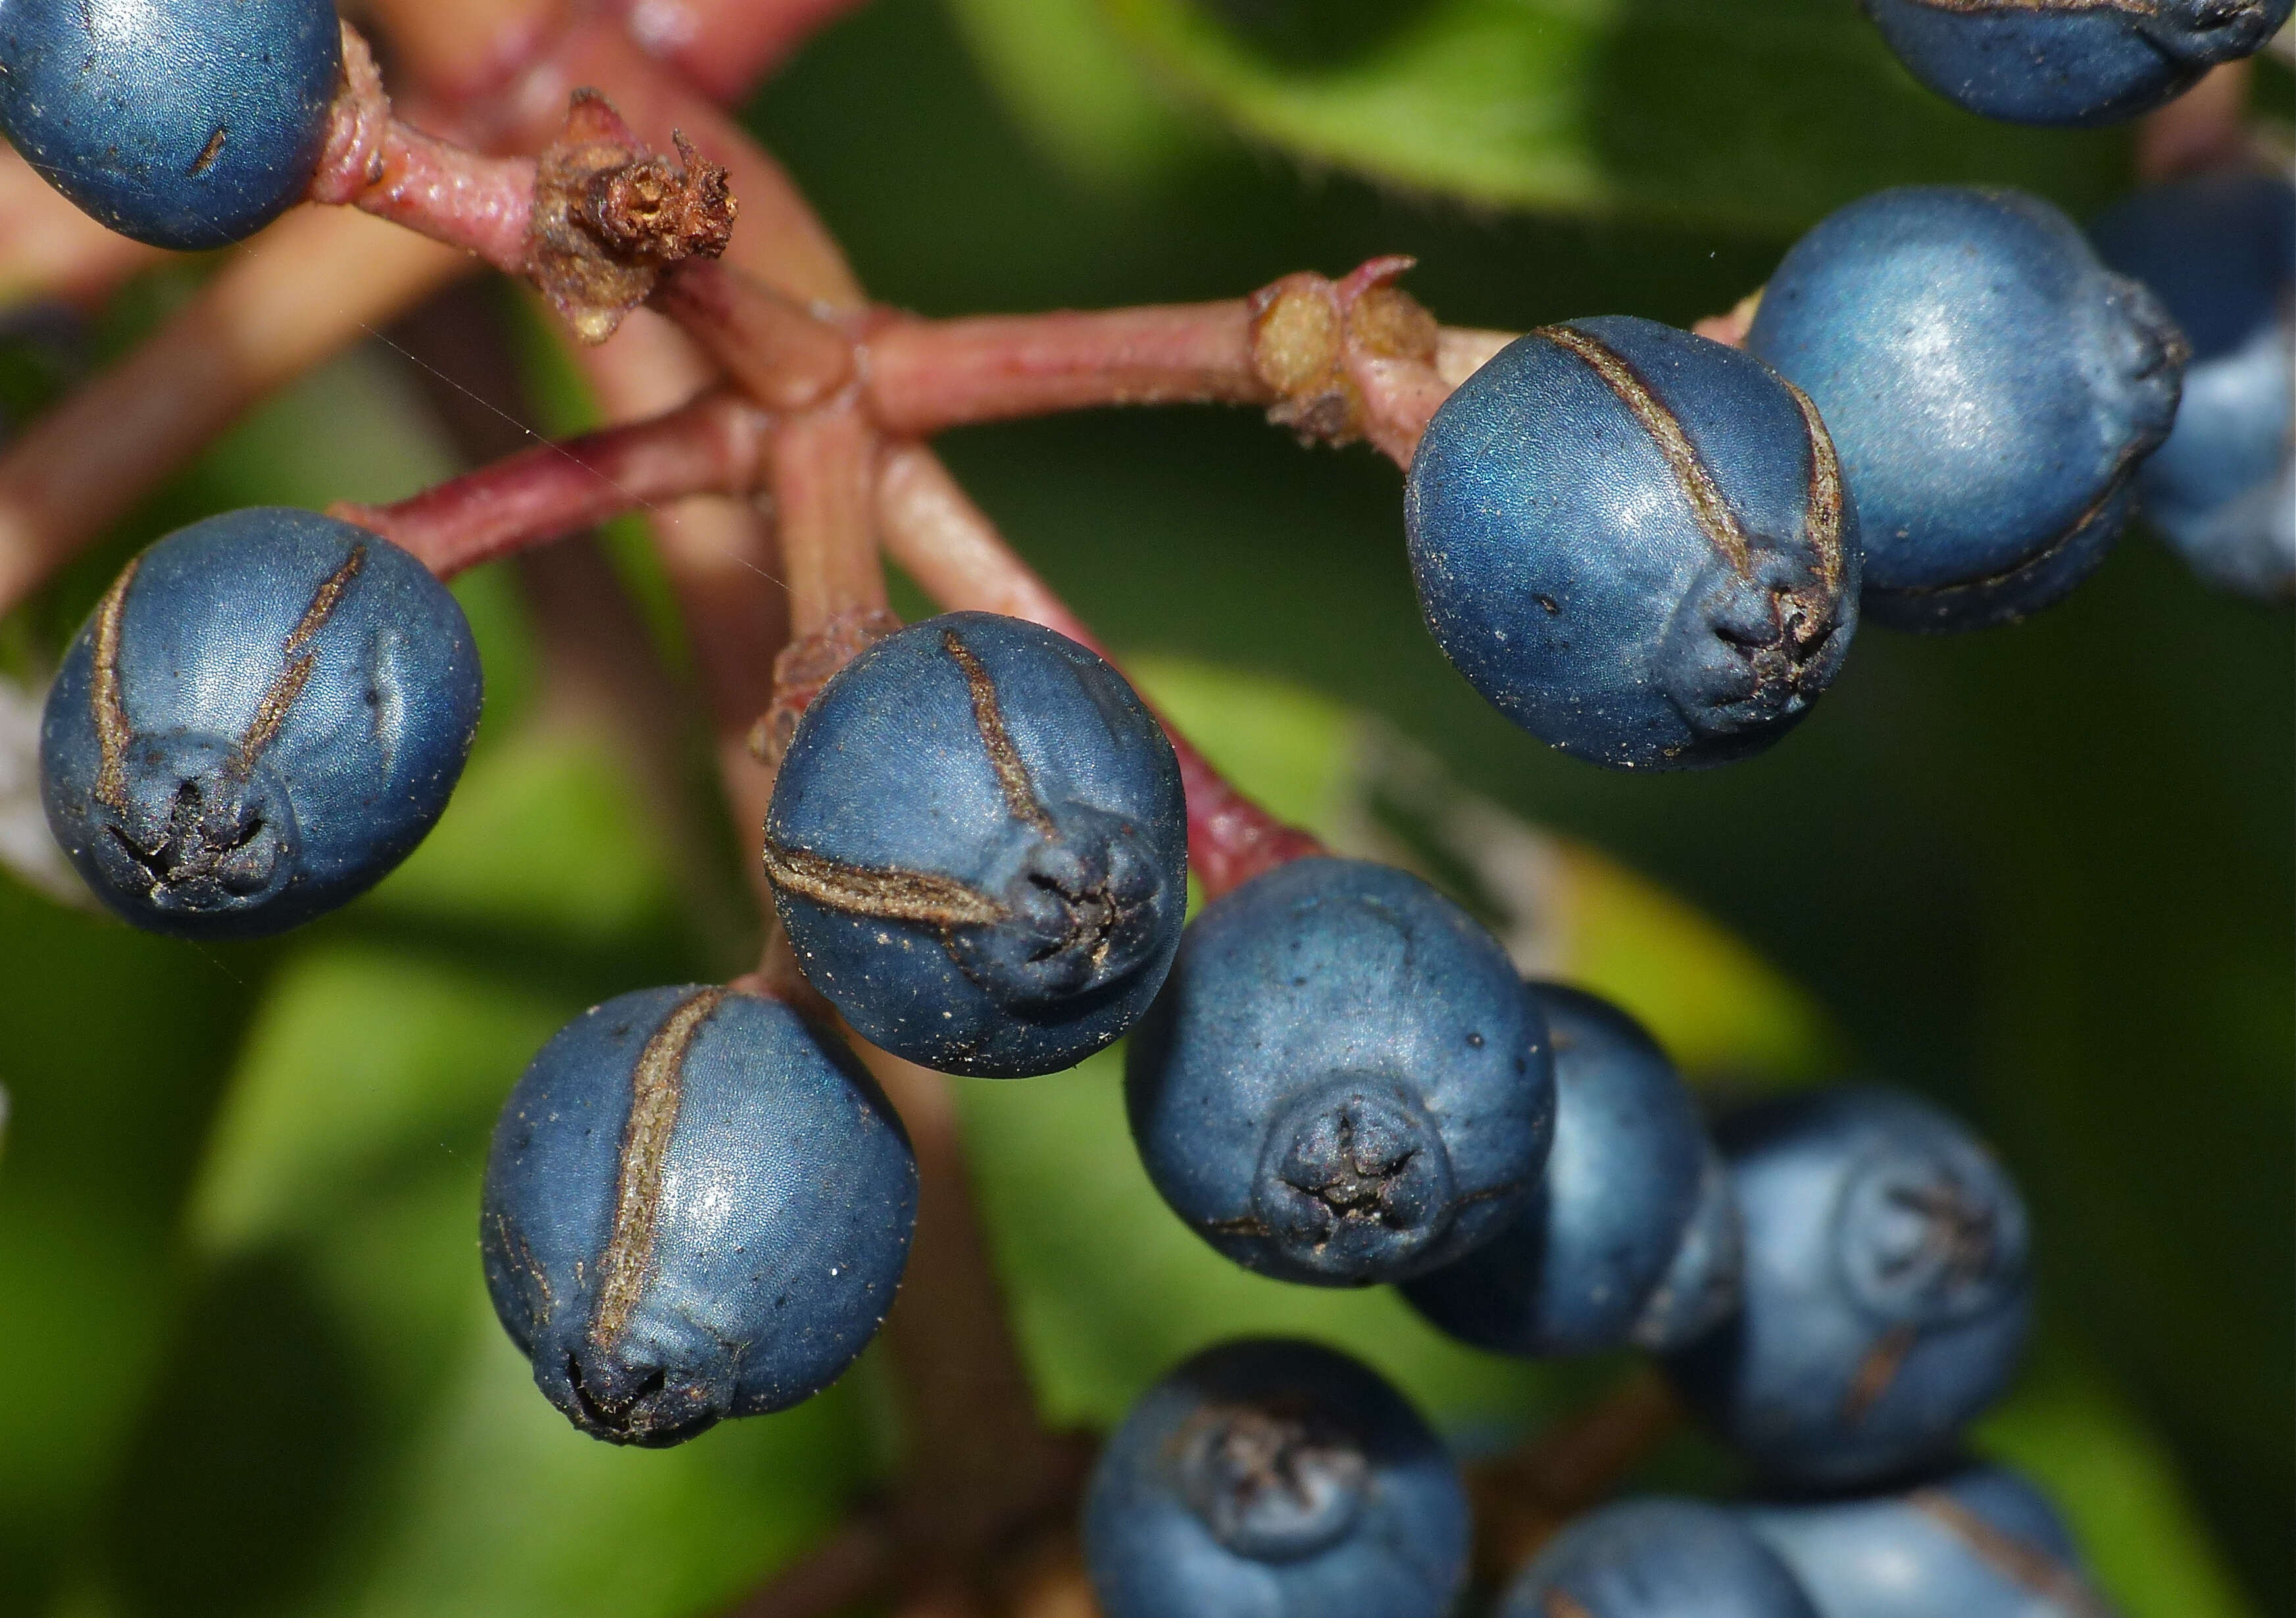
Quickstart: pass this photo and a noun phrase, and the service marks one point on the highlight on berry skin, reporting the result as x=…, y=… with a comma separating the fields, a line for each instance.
x=697, y=1205
x=2070, y=63
x=263, y=716
x=978, y=843
x=1631, y=1234
x=189, y=126
x=1344, y=1081
x=1886, y=1294
x=2219, y=252
x=1274, y=1476
x=1992, y=389
x=1634, y=543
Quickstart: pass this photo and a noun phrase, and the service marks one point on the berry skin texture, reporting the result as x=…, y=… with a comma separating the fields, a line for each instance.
x=1275, y=1479
x=1656, y=1558
x=2220, y=252
x=1344, y=1081
x=978, y=845
x=1885, y=1296
x=265, y=714
x=188, y=128
x=1991, y=387
x=1633, y=542
x=697, y=1205
x=1580, y=1268
x=2070, y=63
x=1979, y=1542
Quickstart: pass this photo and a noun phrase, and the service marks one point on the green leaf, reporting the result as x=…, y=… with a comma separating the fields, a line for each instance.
x=1761, y=112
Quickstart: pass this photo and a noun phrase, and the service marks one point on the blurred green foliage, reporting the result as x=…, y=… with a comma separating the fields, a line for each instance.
x=2044, y=873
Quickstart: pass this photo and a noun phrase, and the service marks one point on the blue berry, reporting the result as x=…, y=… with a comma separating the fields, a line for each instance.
x=2077, y=62
x=1656, y=1558
x=1275, y=1479
x=1634, y=542
x=1991, y=387
x=263, y=716
x=191, y=125
x=2220, y=252
x=697, y=1205
x=1885, y=1296
x=1591, y=1262
x=1344, y=1081
x=979, y=845
x=1980, y=1542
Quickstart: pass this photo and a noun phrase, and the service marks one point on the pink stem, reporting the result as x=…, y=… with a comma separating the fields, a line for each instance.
x=726, y=46
x=956, y=556
x=716, y=444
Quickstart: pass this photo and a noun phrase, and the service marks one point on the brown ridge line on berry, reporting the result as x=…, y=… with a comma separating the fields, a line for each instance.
x=1824, y=492
x=1011, y=770
x=1876, y=1371
x=889, y=893
x=2020, y=1561
x=1690, y=470
x=106, y=704
x=655, y=1088
x=2135, y=8
x=1561, y=1604
x=271, y=713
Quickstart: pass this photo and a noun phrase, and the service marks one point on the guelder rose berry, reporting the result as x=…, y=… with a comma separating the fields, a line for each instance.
x=2069, y=61
x=191, y=125
x=697, y=1205
x=1658, y=1558
x=1275, y=1479
x=1344, y=1081
x=1978, y=1542
x=264, y=715
x=1992, y=389
x=978, y=845
x=2220, y=252
x=1634, y=542
x=1596, y=1258
x=1885, y=1295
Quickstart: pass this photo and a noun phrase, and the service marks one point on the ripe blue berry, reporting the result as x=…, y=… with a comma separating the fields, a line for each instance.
x=188, y=125
x=1344, y=1081
x=1885, y=1296
x=1657, y=1559
x=1980, y=1542
x=979, y=845
x=1587, y=1265
x=697, y=1205
x=1992, y=388
x=1634, y=542
x=2220, y=252
x=263, y=716
x=1275, y=1479
x=2075, y=62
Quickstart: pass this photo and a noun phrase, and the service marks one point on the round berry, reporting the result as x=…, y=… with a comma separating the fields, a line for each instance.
x=2069, y=63
x=978, y=845
x=191, y=125
x=1885, y=1296
x=1344, y=1081
x=1991, y=387
x=1275, y=1479
x=1581, y=1267
x=1657, y=1559
x=1634, y=542
x=2220, y=252
x=697, y=1205
x=263, y=716
x=1979, y=1542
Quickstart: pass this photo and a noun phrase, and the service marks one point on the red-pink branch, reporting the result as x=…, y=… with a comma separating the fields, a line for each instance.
x=726, y=46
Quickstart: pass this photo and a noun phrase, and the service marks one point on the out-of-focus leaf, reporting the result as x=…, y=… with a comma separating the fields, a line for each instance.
x=1069, y=77
x=2075, y=1434
x=1766, y=112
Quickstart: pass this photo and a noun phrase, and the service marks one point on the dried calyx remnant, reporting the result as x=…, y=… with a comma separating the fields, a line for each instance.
x=610, y=216
x=1305, y=327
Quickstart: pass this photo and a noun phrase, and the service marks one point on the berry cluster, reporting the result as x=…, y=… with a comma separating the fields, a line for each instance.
x=1648, y=547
